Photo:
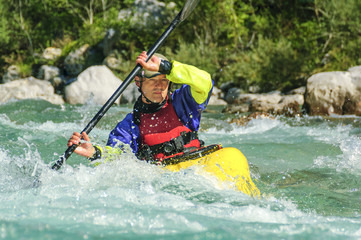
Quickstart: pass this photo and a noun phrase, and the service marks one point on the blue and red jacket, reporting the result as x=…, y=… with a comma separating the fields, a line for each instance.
x=188, y=102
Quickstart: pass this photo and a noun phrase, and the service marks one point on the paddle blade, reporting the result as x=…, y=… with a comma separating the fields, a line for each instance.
x=188, y=8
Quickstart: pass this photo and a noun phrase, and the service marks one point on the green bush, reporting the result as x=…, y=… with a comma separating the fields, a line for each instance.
x=275, y=45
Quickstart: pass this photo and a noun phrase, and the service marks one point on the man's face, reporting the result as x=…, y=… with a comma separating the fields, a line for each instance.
x=155, y=88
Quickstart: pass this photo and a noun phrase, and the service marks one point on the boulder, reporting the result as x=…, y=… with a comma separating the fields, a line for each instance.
x=113, y=63
x=29, y=88
x=234, y=95
x=237, y=108
x=11, y=74
x=216, y=97
x=74, y=62
x=51, y=53
x=300, y=90
x=328, y=92
x=291, y=105
x=130, y=94
x=216, y=101
x=96, y=83
x=48, y=73
x=278, y=104
x=147, y=14
x=244, y=120
x=353, y=99
x=273, y=102
x=108, y=41
x=266, y=102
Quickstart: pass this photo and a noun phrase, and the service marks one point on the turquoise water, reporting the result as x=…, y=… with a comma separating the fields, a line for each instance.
x=308, y=170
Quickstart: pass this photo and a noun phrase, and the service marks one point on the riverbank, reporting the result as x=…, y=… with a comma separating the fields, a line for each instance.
x=325, y=94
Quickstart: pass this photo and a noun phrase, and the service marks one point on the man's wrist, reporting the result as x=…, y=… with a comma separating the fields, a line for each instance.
x=96, y=154
x=165, y=67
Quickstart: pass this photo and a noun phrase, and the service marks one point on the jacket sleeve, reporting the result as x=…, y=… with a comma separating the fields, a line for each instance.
x=191, y=99
x=199, y=81
x=126, y=132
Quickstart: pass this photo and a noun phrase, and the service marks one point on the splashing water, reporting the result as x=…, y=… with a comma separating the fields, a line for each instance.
x=308, y=170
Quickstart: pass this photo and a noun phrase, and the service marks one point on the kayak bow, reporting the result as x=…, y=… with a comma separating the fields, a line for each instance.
x=227, y=164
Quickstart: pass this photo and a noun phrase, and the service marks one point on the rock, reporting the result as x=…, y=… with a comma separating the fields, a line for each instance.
x=113, y=63
x=96, y=83
x=244, y=120
x=237, y=108
x=254, y=89
x=147, y=14
x=12, y=73
x=130, y=94
x=291, y=105
x=216, y=97
x=29, y=88
x=300, y=90
x=51, y=53
x=266, y=102
x=74, y=62
x=327, y=93
x=226, y=86
x=216, y=92
x=48, y=73
x=355, y=73
x=353, y=99
x=234, y=95
x=216, y=101
x=277, y=103
x=273, y=102
x=108, y=41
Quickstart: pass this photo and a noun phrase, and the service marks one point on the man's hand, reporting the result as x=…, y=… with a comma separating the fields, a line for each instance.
x=151, y=65
x=85, y=148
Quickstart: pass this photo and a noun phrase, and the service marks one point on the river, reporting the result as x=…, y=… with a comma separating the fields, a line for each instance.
x=307, y=169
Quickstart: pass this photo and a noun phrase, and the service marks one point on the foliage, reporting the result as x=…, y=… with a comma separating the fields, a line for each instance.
x=275, y=45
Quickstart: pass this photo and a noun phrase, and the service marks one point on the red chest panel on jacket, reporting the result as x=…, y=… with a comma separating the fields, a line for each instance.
x=161, y=121
x=162, y=126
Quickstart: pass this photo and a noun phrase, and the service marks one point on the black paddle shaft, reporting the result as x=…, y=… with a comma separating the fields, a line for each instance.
x=119, y=91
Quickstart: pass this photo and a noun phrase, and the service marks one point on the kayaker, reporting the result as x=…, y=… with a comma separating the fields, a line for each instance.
x=162, y=124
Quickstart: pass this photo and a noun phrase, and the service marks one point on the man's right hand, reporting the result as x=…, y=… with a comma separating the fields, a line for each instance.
x=85, y=148
x=151, y=65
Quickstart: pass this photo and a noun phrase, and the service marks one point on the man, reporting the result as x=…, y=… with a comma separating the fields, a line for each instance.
x=162, y=125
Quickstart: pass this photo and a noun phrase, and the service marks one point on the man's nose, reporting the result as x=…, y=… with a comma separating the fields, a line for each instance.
x=158, y=82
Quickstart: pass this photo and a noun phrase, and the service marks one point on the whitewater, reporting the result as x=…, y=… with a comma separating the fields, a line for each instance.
x=307, y=169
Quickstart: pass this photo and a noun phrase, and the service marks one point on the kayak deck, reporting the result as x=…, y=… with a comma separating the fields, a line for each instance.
x=228, y=165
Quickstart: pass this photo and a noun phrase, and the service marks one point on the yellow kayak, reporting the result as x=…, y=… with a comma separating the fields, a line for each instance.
x=227, y=164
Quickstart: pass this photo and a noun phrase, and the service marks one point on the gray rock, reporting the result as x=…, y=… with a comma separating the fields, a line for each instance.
x=96, y=84
x=328, y=91
x=353, y=99
x=146, y=13
x=29, y=88
x=216, y=98
x=300, y=90
x=237, y=108
x=51, y=53
x=233, y=95
x=74, y=62
x=113, y=63
x=273, y=102
x=130, y=95
x=108, y=41
x=48, y=73
x=266, y=102
x=216, y=101
x=11, y=74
